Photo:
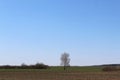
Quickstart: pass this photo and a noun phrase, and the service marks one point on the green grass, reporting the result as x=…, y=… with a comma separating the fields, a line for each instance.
x=60, y=69
x=75, y=68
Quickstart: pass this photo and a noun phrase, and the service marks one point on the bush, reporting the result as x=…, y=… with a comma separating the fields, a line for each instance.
x=24, y=66
x=38, y=66
x=41, y=66
x=111, y=68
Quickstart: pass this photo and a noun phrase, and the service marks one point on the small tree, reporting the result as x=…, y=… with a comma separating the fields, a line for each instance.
x=65, y=60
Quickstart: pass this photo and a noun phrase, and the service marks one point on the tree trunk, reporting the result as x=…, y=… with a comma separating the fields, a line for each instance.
x=64, y=67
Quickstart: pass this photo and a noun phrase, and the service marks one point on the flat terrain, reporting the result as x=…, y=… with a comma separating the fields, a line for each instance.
x=84, y=73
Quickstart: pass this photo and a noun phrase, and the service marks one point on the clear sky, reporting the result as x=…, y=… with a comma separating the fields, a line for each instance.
x=41, y=30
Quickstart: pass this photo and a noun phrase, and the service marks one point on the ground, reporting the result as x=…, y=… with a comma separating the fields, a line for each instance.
x=84, y=73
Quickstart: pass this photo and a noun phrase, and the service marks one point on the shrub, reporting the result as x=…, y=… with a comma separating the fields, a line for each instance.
x=111, y=68
x=24, y=66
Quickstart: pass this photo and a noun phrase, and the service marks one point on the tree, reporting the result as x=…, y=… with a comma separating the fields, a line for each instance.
x=65, y=60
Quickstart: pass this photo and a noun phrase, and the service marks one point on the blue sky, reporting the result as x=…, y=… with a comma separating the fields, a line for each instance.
x=41, y=30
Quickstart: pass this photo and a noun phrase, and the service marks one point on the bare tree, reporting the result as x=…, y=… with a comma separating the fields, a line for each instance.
x=65, y=60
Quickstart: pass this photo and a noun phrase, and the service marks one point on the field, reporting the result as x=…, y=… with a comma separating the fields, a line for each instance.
x=57, y=73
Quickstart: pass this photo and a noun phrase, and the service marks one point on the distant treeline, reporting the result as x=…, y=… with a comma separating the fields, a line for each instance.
x=24, y=66
x=111, y=65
